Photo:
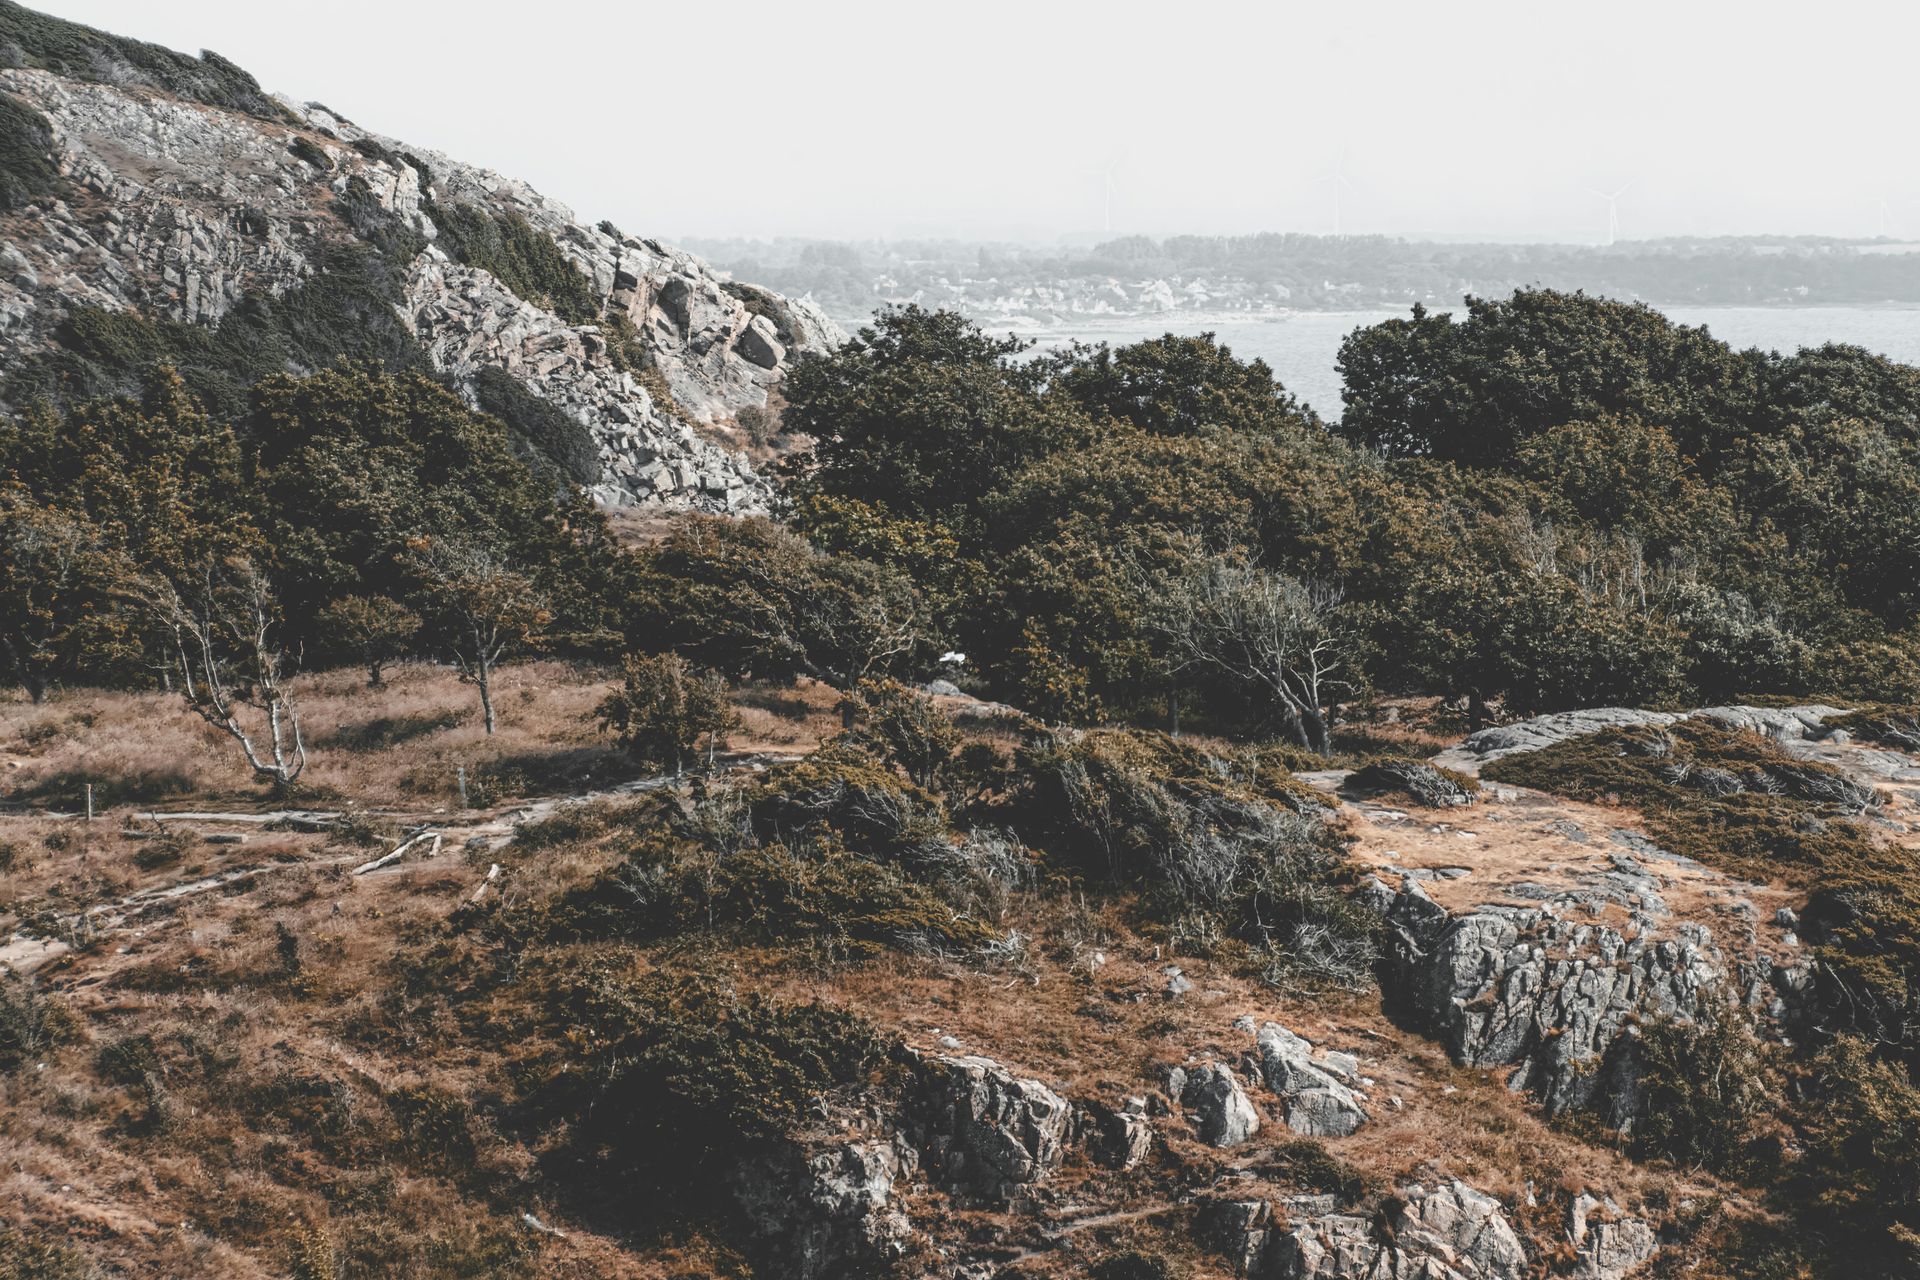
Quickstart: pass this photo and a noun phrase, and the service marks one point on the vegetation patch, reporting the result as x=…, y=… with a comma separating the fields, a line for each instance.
x=27, y=171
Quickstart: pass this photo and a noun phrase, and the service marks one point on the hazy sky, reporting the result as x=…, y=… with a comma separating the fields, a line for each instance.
x=992, y=119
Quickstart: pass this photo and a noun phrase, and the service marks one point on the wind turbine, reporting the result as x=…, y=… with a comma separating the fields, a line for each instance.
x=1338, y=177
x=1613, y=207
x=1106, y=187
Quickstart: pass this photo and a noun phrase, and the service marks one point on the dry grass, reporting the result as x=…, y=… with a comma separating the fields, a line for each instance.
x=287, y=1021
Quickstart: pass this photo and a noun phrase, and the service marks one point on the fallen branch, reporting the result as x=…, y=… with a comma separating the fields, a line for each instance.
x=399, y=850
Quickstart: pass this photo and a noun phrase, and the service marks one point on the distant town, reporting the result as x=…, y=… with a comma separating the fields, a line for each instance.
x=1276, y=273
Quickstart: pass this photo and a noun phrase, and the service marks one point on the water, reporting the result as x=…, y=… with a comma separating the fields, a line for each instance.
x=1301, y=347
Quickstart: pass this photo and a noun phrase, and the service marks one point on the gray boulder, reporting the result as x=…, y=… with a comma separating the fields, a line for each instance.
x=1223, y=1115
x=1317, y=1093
x=1554, y=998
x=828, y=1210
x=1446, y=1232
x=1116, y=1137
x=1607, y=1246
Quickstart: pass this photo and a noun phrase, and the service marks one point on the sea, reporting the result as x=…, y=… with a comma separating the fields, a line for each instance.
x=1300, y=347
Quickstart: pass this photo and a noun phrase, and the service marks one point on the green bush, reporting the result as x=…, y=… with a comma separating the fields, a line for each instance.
x=843, y=789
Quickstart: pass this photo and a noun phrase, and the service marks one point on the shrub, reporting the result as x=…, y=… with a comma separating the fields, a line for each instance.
x=28, y=1024
x=906, y=727
x=663, y=706
x=844, y=789
x=1701, y=1091
x=27, y=171
x=1866, y=1150
x=673, y=1077
x=520, y=256
x=30, y=1255
x=1425, y=784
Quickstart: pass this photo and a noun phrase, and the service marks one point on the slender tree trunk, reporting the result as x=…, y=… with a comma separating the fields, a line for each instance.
x=1476, y=711
x=1174, y=701
x=1315, y=734
x=36, y=691
x=373, y=675
x=483, y=677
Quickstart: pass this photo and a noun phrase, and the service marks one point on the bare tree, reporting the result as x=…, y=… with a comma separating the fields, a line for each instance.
x=1265, y=632
x=485, y=610
x=220, y=637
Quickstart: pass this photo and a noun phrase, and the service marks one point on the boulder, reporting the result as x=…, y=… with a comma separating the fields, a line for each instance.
x=759, y=344
x=1223, y=1115
x=827, y=1210
x=1116, y=1137
x=1607, y=1245
x=1319, y=1102
x=1554, y=998
x=988, y=1129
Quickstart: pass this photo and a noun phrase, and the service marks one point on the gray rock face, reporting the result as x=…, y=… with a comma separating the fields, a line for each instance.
x=182, y=211
x=1320, y=1101
x=1448, y=1232
x=1555, y=998
x=1606, y=1245
x=989, y=1130
x=1785, y=724
x=1223, y=1115
x=830, y=1211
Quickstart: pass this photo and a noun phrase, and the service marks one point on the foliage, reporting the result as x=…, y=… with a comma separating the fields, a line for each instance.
x=843, y=789
x=907, y=727
x=1866, y=1151
x=374, y=629
x=663, y=707
x=29, y=1024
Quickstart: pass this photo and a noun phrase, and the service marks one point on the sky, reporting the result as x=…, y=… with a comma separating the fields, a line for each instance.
x=1044, y=120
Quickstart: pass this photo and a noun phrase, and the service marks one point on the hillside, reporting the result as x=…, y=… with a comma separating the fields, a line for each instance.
x=164, y=207
x=1072, y=816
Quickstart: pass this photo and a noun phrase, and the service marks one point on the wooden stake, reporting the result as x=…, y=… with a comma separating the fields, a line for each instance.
x=89, y=802
x=462, y=776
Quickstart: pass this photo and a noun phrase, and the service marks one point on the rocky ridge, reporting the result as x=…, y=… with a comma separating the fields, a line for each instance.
x=182, y=211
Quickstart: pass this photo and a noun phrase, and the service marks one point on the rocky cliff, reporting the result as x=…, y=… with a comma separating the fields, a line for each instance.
x=158, y=206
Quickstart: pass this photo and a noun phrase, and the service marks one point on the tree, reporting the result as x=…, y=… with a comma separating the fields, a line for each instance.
x=911, y=730
x=375, y=629
x=921, y=414
x=221, y=632
x=61, y=589
x=482, y=610
x=1268, y=634
x=663, y=706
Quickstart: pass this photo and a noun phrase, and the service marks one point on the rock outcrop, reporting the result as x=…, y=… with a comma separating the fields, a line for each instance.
x=1784, y=724
x=1553, y=997
x=183, y=212
x=1607, y=1245
x=1446, y=1232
